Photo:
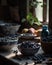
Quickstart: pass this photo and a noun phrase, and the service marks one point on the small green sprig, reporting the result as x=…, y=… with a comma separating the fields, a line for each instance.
x=31, y=19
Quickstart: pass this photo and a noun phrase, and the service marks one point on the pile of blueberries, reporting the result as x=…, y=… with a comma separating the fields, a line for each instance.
x=29, y=44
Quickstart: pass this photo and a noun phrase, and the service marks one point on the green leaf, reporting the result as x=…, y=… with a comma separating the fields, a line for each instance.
x=31, y=22
x=38, y=23
x=37, y=2
x=36, y=19
x=33, y=3
x=40, y=2
x=23, y=20
x=29, y=16
x=41, y=5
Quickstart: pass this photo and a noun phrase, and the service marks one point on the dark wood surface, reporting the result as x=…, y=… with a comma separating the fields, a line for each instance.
x=8, y=58
x=4, y=61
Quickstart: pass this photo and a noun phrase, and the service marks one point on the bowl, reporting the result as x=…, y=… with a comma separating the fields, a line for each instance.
x=28, y=48
x=8, y=28
x=7, y=44
x=28, y=51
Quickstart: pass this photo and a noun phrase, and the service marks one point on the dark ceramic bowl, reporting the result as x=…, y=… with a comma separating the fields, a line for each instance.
x=29, y=50
x=7, y=44
x=8, y=28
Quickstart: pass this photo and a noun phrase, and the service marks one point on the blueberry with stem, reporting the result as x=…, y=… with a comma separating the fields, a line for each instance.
x=15, y=51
